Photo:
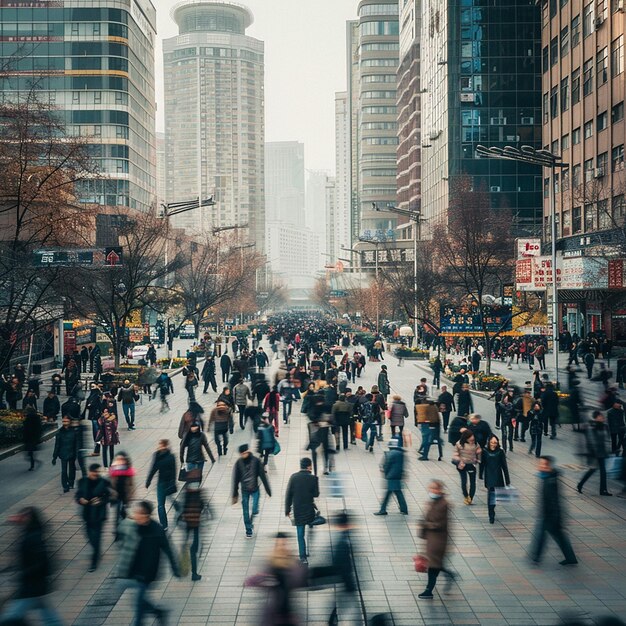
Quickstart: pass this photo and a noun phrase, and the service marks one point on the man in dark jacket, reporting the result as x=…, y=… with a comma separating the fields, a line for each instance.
x=65, y=448
x=464, y=403
x=393, y=469
x=84, y=358
x=617, y=426
x=51, y=407
x=140, y=556
x=383, y=382
x=550, y=517
x=550, y=404
x=208, y=374
x=599, y=448
x=480, y=428
x=247, y=471
x=225, y=365
x=93, y=496
x=302, y=490
x=128, y=397
x=445, y=404
x=163, y=464
x=342, y=416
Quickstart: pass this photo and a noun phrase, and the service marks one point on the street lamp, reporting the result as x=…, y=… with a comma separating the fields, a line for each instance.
x=174, y=208
x=415, y=216
x=376, y=243
x=543, y=158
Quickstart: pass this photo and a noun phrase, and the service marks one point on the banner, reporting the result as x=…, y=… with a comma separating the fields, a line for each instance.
x=466, y=320
x=528, y=248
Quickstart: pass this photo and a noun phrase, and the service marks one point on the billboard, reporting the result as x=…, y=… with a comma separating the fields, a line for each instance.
x=466, y=320
x=528, y=247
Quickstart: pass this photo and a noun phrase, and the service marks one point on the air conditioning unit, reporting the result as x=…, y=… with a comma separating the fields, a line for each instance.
x=528, y=120
x=498, y=121
x=620, y=5
x=512, y=138
x=599, y=173
x=598, y=22
x=494, y=188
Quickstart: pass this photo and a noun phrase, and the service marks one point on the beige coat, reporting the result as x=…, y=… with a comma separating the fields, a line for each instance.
x=434, y=530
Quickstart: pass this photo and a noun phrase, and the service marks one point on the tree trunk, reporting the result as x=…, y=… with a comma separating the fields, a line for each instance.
x=196, y=328
x=488, y=353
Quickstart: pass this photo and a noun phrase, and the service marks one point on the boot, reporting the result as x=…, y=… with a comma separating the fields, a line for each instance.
x=492, y=513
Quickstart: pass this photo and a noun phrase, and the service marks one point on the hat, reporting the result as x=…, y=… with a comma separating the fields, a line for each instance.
x=383, y=367
x=243, y=448
x=393, y=443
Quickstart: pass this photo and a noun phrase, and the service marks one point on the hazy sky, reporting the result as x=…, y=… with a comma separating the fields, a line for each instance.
x=305, y=64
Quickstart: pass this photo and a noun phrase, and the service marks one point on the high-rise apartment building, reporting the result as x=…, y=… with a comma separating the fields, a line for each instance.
x=341, y=222
x=284, y=182
x=316, y=182
x=160, y=169
x=480, y=77
x=378, y=56
x=352, y=66
x=409, y=107
x=95, y=64
x=331, y=239
x=214, y=116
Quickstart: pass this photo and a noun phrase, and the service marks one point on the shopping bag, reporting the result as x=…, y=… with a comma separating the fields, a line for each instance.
x=613, y=466
x=184, y=561
x=358, y=429
x=420, y=563
x=506, y=495
x=277, y=447
x=182, y=474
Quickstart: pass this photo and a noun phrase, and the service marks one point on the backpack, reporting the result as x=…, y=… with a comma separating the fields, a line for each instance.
x=367, y=411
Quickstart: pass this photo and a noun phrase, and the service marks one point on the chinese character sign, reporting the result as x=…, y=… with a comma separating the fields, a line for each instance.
x=455, y=320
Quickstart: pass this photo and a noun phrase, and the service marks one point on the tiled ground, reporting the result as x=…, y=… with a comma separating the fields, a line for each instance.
x=496, y=584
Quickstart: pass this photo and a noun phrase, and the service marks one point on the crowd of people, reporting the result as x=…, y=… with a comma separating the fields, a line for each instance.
x=316, y=365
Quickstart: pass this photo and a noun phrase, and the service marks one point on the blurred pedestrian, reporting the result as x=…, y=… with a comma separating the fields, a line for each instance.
x=32, y=429
x=246, y=473
x=34, y=567
x=191, y=448
x=208, y=375
x=466, y=456
x=266, y=438
x=550, y=514
x=220, y=417
x=393, y=470
x=599, y=448
x=495, y=472
x=434, y=530
x=163, y=464
x=107, y=436
x=66, y=449
x=51, y=407
x=122, y=475
x=191, y=515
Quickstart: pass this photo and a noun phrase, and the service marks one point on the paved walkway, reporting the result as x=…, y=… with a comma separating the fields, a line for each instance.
x=497, y=585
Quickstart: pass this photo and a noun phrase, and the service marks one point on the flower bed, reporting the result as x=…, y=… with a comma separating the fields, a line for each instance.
x=11, y=427
x=176, y=363
x=488, y=383
x=411, y=353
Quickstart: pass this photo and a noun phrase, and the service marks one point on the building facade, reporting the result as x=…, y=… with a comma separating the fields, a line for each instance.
x=95, y=65
x=341, y=224
x=352, y=81
x=480, y=81
x=331, y=238
x=583, y=122
x=292, y=252
x=378, y=54
x=214, y=116
x=409, y=107
x=284, y=182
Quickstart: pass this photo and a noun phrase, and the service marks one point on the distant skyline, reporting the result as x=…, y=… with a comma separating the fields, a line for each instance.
x=305, y=64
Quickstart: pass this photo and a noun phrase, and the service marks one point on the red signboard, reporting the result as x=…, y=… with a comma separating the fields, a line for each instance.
x=616, y=273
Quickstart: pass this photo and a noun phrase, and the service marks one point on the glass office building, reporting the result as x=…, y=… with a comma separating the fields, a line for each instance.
x=481, y=76
x=94, y=62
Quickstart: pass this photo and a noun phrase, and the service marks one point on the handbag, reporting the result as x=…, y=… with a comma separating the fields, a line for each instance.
x=277, y=447
x=358, y=429
x=506, y=495
x=171, y=489
x=420, y=563
x=319, y=520
x=182, y=474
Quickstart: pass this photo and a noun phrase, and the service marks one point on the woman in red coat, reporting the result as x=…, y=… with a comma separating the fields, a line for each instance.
x=107, y=436
x=271, y=404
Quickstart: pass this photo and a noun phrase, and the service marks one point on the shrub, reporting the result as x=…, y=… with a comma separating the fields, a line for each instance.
x=11, y=426
x=488, y=383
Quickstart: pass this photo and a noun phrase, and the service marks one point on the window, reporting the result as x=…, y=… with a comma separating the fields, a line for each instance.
x=369, y=47
x=618, y=206
x=546, y=114
x=564, y=143
x=576, y=86
x=567, y=218
x=96, y=28
x=74, y=28
x=378, y=9
x=617, y=158
x=604, y=217
x=590, y=218
x=602, y=121
x=577, y=223
x=588, y=129
x=602, y=162
x=380, y=28
x=588, y=170
x=554, y=51
x=544, y=59
x=97, y=97
x=616, y=5
x=617, y=112
x=546, y=187
x=575, y=31
x=601, y=9
x=554, y=148
x=588, y=20
x=565, y=94
x=576, y=136
x=587, y=77
x=575, y=176
x=564, y=41
x=602, y=66
x=75, y=97
x=553, y=5
x=563, y=3
x=379, y=63
x=556, y=183
x=617, y=56
x=554, y=102
x=565, y=180
x=379, y=78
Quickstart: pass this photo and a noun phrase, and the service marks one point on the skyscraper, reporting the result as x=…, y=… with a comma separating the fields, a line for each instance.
x=284, y=182
x=481, y=77
x=95, y=64
x=378, y=137
x=214, y=116
x=341, y=222
x=352, y=65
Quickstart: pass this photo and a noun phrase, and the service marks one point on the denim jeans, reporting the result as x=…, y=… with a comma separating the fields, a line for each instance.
x=371, y=428
x=245, y=505
x=425, y=432
x=301, y=530
x=161, y=498
x=286, y=410
x=129, y=413
x=16, y=611
x=142, y=604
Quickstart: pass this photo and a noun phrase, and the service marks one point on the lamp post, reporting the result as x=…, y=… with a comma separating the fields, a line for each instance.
x=545, y=159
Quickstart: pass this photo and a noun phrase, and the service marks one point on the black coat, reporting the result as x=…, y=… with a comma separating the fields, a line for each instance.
x=51, y=407
x=225, y=363
x=465, y=404
x=93, y=513
x=163, y=462
x=550, y=509
x=302, y=490
x=65, y=447
x=32, y=431
x=550, y=402
x=454, y=429
x=494, y=469
x=482, y=432
x=34, y=564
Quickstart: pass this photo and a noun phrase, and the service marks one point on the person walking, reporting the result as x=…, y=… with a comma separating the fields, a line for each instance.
x=262, y=360
x=393, y=470
x=302, y=490
x=535, y=428
x=163, y=464
x=128, y=396
x=35, y=570
x=92, y=495
x=383, y=382
x=208, y=375
x=51, y=407
x=220, y=418
x=550, y=514
x=550, y=405
x=191, y=513
x=191, y=448
x=246, y=473
x=271, y=405
x=507, y=416
x=599, y=447
x=445, y=404
x=107, y=436
x=494, y=471
x=617, y=426
x=341, y=417
x=32, y=429
x=398, y=413
x=165, y=387
x=191, y=382
x=464, y=402
x=65, y=448
x=226, y=365
x=266, y=439
x=466, y=456
x=122, y=475
x=140, y=556
x=241, y=396
x=437, y=369
x=434, y=530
